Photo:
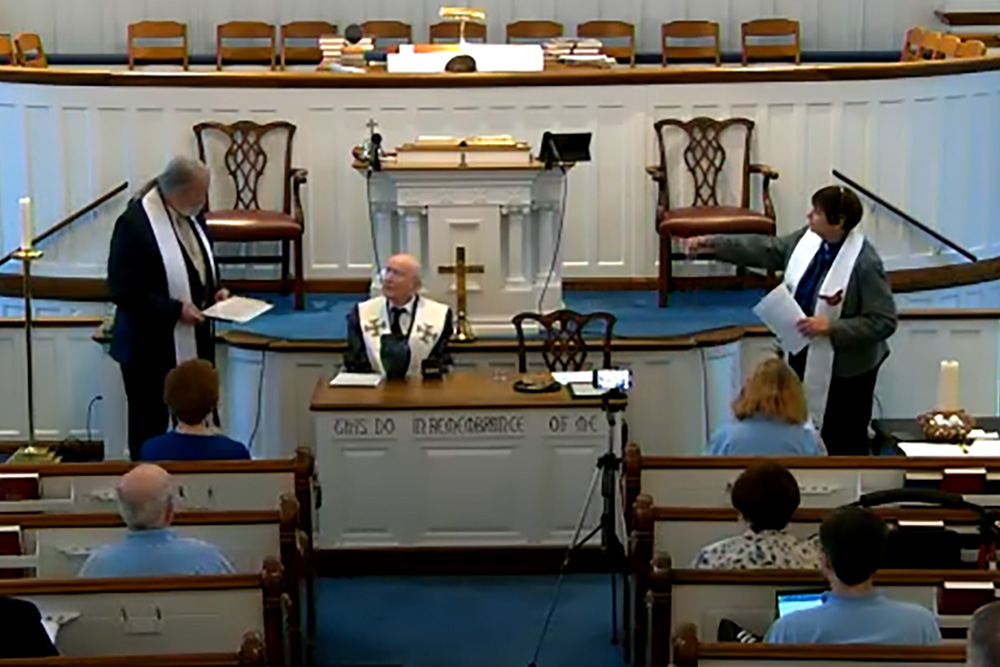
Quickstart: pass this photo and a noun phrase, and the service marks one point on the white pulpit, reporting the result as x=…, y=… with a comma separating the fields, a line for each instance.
x=507, y=217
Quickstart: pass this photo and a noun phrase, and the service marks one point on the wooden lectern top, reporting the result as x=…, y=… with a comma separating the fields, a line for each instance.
x=458, y=391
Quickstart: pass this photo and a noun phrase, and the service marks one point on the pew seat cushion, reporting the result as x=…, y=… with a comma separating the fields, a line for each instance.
x=868, y=619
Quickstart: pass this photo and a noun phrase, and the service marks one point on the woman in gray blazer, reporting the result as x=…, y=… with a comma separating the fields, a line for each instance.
x=838, y=280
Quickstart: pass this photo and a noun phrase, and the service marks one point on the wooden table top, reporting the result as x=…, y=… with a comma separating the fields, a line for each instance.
x=457, y=391
x=968, y=17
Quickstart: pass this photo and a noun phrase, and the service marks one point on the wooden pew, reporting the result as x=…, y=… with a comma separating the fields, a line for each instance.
x=162, y=615
x=705, y=481
x=252, y=653
x=703, y=597
x=689, y=652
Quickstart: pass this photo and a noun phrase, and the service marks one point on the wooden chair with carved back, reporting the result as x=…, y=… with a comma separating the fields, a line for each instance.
x=30, y=52
x=299, y=42
x=706, y=33
x=533, y=31
x=246, y=43
x=971, y=48
x=388, y=35
x=930, y=44
x=145, y=43
x=705, y=157
x=447, y=32
x=564, y=347
x=911, y=44
x=948, y=47
x=244, y=221
x=768, y=32
x=608, y=31
x=8, y=54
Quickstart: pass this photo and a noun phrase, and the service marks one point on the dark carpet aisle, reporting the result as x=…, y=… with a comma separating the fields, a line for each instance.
x=464, y=622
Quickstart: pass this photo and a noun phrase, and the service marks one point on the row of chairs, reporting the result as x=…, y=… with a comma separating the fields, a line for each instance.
x=924, y=44
x=24, y=50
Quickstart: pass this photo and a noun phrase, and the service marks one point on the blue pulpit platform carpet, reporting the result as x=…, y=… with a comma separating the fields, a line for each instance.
x=637, y=313
x=464, y=622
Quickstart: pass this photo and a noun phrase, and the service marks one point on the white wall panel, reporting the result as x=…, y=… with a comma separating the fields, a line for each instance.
x=928, y=145
x=99, y=26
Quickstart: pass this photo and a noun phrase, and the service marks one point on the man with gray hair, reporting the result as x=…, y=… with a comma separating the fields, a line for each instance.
x=162, y=273
x=151, y=549
x=984, y=637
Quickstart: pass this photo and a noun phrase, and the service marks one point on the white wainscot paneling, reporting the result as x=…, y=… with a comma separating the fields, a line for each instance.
x=868, y=129
x=99, y=26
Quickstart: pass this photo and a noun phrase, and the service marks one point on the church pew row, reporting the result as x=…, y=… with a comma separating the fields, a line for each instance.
x=55, y=546
x=163, y=615
x=705, y=481
x=689, y=652
x=252, y=653
x=201, y=486
x=701, y=598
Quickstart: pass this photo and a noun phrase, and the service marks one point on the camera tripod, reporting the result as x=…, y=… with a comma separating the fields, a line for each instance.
x=606, y=476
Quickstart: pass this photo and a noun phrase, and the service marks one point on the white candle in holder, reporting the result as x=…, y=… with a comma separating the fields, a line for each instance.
x=948, y=387
x=26, y=226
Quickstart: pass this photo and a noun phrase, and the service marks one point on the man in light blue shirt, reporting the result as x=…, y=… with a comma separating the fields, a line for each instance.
x=151, y=549
x=854, y=542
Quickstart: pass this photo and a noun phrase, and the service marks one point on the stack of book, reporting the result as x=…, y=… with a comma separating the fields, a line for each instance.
x=577, y=51
x=340, y=55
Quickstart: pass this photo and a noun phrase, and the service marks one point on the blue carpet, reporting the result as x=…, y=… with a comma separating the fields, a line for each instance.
x=464, y=622
x=637, y=313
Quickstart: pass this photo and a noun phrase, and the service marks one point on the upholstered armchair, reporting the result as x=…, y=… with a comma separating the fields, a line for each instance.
x=703, y=182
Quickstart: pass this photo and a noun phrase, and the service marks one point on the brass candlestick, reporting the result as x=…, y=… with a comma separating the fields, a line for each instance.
x=27, y=257
x=463, y=329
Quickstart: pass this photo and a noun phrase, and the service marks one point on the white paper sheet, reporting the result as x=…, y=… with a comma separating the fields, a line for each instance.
x=989, y=448
x=52, y=622
x=931, y=449
x=581, y=390
x=345, y=379
x=573, y=377
x=780, y=312
x=239, y=309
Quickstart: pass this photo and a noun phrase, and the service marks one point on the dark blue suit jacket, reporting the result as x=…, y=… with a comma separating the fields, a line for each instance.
x=146, y=315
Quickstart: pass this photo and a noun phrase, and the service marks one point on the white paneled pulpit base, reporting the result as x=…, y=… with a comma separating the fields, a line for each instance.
x=508, y=220
x=505, y=469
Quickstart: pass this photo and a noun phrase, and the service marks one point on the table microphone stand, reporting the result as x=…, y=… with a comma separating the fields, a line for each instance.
x=606, y=471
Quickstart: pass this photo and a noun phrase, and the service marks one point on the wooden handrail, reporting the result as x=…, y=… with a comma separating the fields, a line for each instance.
x=905, y=216
x=71, y=218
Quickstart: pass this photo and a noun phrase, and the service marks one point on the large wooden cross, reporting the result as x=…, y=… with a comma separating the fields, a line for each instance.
x=461, y=270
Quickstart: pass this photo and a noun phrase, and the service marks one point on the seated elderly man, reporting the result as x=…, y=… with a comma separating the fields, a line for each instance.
x=854, y=542
x=395, y=333
x=150, y=549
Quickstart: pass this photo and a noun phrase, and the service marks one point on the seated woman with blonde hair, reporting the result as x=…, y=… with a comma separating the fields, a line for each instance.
x=771, y=417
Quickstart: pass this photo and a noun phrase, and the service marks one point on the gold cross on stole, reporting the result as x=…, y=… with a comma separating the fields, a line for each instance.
x=461, y=271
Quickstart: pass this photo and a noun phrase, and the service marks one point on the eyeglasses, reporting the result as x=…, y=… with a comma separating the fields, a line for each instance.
x=391, y=271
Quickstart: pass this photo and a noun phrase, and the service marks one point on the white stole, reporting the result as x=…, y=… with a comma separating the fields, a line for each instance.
x=829, y=302
x=428, y=325
x=178, y=287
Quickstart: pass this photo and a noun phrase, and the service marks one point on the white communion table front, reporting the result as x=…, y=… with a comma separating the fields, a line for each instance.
x=506, y=217
x=464, y=461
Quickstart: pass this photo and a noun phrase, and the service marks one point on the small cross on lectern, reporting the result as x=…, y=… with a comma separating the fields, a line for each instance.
x=372, y=126
x=461, y=271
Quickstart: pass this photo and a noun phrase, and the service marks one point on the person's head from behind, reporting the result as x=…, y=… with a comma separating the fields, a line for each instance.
x=854, y=542
x=146, y=498
x=191, y=391
x=766, y=495
x=984, y=637
x=400, y=278
x=772, y=391
x=836, y=210
x=184, y=185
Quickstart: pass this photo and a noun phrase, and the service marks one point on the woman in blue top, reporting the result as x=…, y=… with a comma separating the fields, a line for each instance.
x=191, y=392
x=771, y=418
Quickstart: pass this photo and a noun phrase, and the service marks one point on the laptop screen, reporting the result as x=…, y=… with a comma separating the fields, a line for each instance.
x=789, y=601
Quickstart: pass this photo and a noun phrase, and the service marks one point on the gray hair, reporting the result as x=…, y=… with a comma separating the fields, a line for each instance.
x=149, y=513
x=181, y=173
x=984, y=637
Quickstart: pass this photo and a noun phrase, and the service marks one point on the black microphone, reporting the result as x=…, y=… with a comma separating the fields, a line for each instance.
x=376, y=161
x=353, y=34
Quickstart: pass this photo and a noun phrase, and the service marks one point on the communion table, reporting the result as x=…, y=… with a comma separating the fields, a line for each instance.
x=463, y=461
x=506, y=215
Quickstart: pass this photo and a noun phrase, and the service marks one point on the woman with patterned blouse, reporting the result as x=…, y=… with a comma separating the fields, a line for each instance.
x=766, y=495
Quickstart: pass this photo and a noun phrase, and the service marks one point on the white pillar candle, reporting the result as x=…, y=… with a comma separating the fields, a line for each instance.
x=948, y=386
x=26, y=227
